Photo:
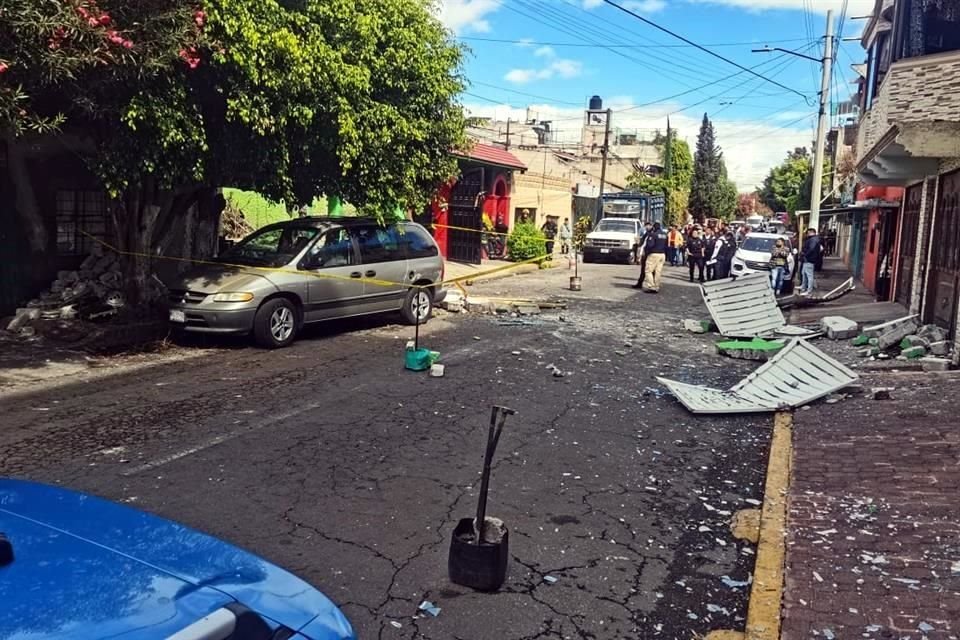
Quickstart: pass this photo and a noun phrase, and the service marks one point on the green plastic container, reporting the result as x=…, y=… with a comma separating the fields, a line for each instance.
x=420, y=359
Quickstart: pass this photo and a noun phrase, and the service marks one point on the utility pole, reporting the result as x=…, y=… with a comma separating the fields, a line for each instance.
x=605, y=151
x=822, y=124
x=667, y=172
x=508, y=134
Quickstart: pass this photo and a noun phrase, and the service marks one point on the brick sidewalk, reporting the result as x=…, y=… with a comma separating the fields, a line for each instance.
x=873, y=534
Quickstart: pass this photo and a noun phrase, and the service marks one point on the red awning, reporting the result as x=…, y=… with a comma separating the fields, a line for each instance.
x=489, y=154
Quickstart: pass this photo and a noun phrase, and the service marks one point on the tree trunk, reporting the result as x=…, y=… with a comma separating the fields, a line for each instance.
x=26, y=200
x=162, y=230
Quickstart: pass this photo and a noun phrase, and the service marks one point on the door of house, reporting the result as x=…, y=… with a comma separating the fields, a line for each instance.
x=909, y=232
x=465, y=218
x=944, y=272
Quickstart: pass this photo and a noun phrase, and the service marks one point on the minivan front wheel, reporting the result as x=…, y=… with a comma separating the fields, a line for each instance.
x=275, y=325
x=418, y=305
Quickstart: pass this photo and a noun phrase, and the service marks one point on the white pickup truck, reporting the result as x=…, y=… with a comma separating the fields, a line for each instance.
x=613, y=239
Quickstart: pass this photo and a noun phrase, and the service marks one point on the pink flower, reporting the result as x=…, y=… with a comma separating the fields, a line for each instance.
x=3, y=67
x=127, y=44
x=191, y=57
x=104, y=19
x=200, y=18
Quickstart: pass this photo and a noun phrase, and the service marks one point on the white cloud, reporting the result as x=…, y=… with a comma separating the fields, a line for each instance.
x=545, y=52
x=463, y=16
x=750, y=147
x=645, y=6
x=558, y=67
x=855, y=8
x=592, y=4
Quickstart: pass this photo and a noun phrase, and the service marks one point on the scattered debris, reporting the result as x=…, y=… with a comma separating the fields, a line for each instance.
x=925, y=628
x=735, y=584
x=726, y=300
x=881, y=393
x=914, y=353
x=428, y=607
x=436, y=371
x=796, y=300
x=550, y=579
x=394, y=623
x=453, y=302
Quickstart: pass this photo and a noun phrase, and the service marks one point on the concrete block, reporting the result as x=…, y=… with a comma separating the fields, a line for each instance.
x=839, y=328
x=941, y=348
x=694, y=326
x=868, y=352
x=914, y=341
x=935, y=364
x=22, y=318
x=913, y=353
x=932, y=333
x=877, y=330
x=478, y=305
x=897, y=333
x=528, y=309
x=881, y=393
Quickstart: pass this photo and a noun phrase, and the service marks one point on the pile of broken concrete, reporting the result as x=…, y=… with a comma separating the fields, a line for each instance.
x=92, y=292
x=901, y=339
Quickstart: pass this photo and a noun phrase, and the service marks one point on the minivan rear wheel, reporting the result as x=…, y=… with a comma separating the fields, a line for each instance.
x=418, y=305
x=276, y=322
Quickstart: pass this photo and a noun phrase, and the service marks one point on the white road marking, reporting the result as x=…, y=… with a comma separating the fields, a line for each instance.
x=212, y=442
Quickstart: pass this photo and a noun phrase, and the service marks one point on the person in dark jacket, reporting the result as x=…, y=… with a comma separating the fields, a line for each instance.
x=723, y=255
x=641, y=254
x=655, y=249
x=696, y=253
x=711, y=244
x=811, y=254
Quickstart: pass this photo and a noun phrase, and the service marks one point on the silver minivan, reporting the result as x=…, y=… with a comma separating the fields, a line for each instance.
x=306, y=270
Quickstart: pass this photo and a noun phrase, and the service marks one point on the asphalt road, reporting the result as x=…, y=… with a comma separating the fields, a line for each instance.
x=331, y=460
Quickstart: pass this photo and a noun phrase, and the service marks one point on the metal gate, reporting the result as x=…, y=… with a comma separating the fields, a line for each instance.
x=944, y=270
x=909, y=232
x=466, y=212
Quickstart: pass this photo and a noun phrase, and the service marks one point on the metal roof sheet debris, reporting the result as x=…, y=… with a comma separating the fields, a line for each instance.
x=799, y=374
x=743, y=308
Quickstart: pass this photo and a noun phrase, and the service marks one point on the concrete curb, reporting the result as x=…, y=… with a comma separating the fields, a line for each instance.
x=763, y=610
x=519, y=269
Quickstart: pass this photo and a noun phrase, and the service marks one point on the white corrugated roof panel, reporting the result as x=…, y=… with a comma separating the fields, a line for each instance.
x=745, y=307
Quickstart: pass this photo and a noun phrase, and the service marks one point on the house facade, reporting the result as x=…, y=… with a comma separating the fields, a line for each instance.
x=908, y=137
x=484, y=186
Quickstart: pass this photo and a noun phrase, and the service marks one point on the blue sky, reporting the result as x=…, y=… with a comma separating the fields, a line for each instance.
x=552, y=55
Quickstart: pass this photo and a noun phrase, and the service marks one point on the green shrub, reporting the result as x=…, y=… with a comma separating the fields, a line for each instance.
x=526, y=242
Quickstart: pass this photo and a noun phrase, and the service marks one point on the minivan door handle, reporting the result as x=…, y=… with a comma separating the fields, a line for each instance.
x=356, y=274
x=412, y=275
x=371, y=273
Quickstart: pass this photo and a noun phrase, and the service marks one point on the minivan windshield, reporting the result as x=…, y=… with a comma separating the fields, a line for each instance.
x=761, y=245
x=273, y=246
x=618, y=226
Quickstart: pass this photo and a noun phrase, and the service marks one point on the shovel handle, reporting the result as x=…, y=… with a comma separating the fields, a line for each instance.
x=493, y=438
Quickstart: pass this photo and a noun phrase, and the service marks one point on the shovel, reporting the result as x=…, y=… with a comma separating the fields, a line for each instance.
x=479, y=549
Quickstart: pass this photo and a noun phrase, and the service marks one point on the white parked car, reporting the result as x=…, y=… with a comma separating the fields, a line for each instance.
x=613, y=238
x=753, y=255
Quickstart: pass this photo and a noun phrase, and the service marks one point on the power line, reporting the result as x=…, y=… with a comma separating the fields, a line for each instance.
x=529, y=95
x=699, y=46
x=538, y=43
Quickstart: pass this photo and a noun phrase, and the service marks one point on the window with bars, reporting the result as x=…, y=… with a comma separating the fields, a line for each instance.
x=925, y=27
x=80, y=213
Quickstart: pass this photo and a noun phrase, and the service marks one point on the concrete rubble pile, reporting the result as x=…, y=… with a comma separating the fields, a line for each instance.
x=904, y=339
x=91, y=292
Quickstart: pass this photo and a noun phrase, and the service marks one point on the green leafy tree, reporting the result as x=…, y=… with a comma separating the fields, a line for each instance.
x=784, y=187
x=169, y=99
x=676, y=186
x=725, y=203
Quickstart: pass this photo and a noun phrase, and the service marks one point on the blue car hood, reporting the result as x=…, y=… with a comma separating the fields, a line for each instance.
x=88, y=568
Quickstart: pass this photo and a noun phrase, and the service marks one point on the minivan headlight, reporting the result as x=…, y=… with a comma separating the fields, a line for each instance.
x=233, y=296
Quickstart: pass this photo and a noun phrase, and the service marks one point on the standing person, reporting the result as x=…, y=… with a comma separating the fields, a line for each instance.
x=723, y=255
x=566, y=236
x=655, y=249
x=673, y=245
x=779, y=257
x=549, y=229
x=696, y=253
x=642, y=254
x=810, y=254
x=711, y=244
